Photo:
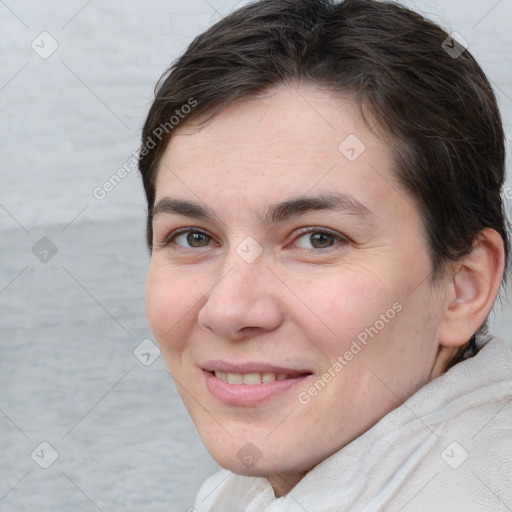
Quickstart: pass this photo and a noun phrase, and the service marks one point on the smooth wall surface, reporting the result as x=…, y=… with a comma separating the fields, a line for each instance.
x=89, y=418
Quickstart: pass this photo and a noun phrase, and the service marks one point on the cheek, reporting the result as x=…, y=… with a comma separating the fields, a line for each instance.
x=168, y=300
x=347, y=302
x=391, y=329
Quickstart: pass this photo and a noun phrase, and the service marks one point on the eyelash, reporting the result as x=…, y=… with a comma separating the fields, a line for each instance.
x=305, y=231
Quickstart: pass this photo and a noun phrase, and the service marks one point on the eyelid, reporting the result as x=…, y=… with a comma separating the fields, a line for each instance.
x=319, y=229
x=298, y=234
x=167, y=239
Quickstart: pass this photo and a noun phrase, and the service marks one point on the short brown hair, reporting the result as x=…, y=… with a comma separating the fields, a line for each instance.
x=438, y=108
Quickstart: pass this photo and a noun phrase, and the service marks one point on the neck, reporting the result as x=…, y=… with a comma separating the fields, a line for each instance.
x=283, y=483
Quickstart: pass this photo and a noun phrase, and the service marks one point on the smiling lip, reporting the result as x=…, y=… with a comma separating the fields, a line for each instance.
x=249, y=394
x=250, y=367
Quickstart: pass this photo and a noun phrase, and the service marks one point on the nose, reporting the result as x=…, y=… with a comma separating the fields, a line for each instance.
x=244, y=300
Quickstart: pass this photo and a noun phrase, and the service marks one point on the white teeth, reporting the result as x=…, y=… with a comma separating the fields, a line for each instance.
x=268, y=377
x=250, y=378
x=235, y=378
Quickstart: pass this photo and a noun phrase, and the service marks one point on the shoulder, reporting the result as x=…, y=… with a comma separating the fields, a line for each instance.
x=210, y=489
x=469, y=461
x=228, y=491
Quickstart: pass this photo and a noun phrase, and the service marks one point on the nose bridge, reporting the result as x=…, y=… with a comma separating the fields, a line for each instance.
x=244, y=271
x=242, y=280
x=242, y=297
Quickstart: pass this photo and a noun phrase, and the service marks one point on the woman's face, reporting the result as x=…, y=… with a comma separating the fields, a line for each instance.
x=289, y=287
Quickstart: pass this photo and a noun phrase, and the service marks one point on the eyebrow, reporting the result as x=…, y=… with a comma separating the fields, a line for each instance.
x=274, y=213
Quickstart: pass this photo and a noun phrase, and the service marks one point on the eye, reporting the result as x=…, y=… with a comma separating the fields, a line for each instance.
x=187, y=238
x=311, y=240
x=318, y=238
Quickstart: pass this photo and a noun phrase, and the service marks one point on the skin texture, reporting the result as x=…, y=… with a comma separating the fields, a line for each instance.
x=290, y=307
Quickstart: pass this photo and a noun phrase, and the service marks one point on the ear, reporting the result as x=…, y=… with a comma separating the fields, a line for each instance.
x=474, y=286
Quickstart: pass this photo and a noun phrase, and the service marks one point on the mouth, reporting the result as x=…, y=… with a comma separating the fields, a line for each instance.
x=250, y=384
x=255, y=378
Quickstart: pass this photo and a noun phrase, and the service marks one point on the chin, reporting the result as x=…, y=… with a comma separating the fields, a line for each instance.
x=252, y=459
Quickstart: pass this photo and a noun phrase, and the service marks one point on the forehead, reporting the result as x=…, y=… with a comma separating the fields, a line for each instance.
x=290, y=142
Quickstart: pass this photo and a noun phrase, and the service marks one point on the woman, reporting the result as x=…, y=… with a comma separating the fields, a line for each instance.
x=327, y=240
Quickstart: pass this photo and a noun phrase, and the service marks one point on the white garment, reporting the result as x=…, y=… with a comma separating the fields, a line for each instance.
x=447, y=448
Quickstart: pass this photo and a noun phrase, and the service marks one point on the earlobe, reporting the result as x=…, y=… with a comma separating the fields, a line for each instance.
x=473, y=289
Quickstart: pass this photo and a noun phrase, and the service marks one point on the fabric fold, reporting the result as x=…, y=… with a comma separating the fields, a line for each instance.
x=447, y=448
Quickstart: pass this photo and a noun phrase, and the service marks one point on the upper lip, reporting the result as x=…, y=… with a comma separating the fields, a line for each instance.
x=250, y=367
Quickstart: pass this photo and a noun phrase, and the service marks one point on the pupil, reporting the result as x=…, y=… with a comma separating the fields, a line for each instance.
x=321, y=238
x=195, y=239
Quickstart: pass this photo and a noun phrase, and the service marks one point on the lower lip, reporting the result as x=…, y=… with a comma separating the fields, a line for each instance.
x=248, y=394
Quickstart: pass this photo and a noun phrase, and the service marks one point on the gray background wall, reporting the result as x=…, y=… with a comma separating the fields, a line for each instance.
x=72, y=267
